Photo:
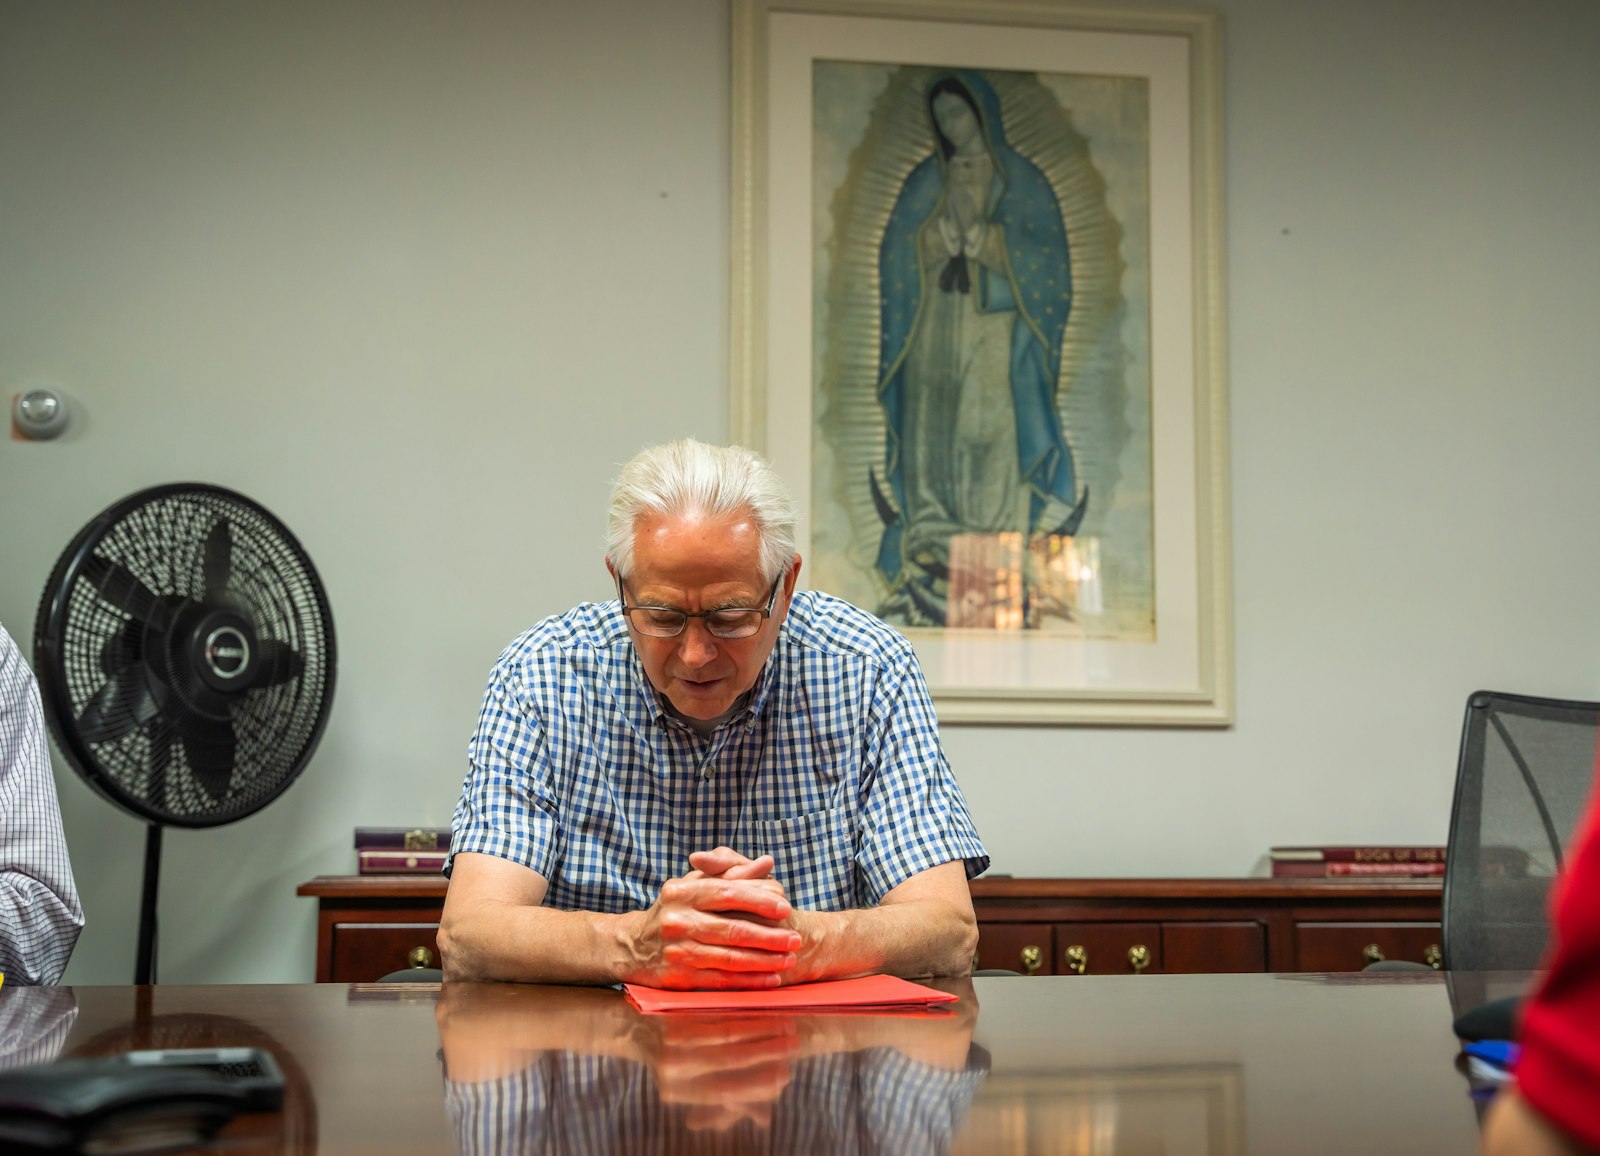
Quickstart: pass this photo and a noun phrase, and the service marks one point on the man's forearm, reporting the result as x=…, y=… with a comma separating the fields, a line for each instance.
x=925, y=937
x=1513, y=1127
x=532, y=944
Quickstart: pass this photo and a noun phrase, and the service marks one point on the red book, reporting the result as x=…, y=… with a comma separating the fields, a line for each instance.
x=403, y=838
x=1367, y=854
x=1309, y=869
x=394, y=862
x=882, y=992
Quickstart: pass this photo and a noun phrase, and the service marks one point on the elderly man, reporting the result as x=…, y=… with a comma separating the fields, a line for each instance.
x=715, y=781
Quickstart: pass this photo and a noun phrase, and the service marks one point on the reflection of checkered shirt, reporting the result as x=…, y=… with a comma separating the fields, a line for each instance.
x=34, y=1023
x=39, y=913
x=876, y=1100
x=834, y=766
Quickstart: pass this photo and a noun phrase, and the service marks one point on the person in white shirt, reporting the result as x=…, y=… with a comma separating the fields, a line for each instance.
x=40, y=916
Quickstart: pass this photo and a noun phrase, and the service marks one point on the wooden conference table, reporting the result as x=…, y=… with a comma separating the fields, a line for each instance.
x=1174, y=1064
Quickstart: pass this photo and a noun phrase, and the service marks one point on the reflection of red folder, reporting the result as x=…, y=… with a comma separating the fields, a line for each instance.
x=872, y=991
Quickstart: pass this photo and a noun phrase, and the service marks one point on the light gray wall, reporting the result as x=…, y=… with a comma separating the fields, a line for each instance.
x=417, y=277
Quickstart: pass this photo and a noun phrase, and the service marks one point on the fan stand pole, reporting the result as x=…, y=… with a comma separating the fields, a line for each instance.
x=145, y=964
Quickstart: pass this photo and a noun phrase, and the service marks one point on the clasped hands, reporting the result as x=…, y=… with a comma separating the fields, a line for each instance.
x=726, y=924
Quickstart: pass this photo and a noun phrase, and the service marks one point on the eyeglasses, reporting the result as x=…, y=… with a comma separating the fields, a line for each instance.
x=669, y=622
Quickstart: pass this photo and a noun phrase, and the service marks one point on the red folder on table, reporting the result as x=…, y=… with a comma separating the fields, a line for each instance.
x=872, y=991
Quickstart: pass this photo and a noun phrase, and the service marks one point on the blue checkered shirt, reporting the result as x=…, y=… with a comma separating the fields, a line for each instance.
x=40, y=916
x=833, y=766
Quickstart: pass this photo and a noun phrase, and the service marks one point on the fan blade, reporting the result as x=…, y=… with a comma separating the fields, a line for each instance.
x=160, y=763
x=122, y=703
x=122, y=649
x=210, y=745
x=118, y=586
x=279, y=663
x=218, y=560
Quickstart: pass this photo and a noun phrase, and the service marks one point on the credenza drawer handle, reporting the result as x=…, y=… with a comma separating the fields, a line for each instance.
x=1433, y=957
x=1372, y=953
x=1138, y=957
x=419, y=957
x=1032, y=959
x=1077, y=959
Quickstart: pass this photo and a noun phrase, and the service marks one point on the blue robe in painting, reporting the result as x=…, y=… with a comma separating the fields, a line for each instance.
x=1023, y=205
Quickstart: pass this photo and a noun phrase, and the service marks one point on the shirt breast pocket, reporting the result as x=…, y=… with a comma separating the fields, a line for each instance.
x=814, y=855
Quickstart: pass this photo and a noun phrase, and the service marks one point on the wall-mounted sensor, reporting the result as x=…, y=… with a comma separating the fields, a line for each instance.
x=38, y=414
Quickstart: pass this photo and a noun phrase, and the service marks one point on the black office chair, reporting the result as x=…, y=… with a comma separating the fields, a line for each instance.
x=1522, y=783
x=1522, y=779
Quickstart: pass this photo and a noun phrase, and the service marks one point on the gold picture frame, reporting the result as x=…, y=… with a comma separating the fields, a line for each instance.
x=1109, y=601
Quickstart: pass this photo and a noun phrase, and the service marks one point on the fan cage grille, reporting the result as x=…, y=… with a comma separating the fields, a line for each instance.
x=161, y=540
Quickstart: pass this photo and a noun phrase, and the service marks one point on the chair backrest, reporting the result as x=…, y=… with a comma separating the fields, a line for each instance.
x=1522, y=782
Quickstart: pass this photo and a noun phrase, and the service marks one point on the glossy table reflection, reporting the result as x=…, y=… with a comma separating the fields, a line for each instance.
x=1176, y=1064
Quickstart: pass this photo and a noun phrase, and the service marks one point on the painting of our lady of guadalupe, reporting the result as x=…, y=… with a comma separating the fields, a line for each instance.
x=981, y=302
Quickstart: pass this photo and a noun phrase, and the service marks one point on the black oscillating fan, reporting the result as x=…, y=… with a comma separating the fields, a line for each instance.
x=185, y=655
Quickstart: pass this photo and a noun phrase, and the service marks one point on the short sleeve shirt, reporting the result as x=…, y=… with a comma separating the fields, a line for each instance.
x=833, y=766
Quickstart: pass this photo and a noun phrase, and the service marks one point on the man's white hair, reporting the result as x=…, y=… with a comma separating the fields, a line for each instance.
x=689, y=479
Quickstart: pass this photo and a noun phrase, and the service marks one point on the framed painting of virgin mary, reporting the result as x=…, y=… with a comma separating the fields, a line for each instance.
x=978, y=324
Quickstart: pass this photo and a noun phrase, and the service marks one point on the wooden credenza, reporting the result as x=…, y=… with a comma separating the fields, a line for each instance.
x=1118, y=926
x=370, y=925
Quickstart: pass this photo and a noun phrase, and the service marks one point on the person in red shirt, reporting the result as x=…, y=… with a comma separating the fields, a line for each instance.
x=1554, y=1105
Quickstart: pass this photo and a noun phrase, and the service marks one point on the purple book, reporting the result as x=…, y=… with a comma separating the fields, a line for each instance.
x=403, y=838
x=393, y=861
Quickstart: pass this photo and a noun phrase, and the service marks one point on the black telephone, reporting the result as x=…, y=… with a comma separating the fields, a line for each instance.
x=136, y=1102
x=252, y=1070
